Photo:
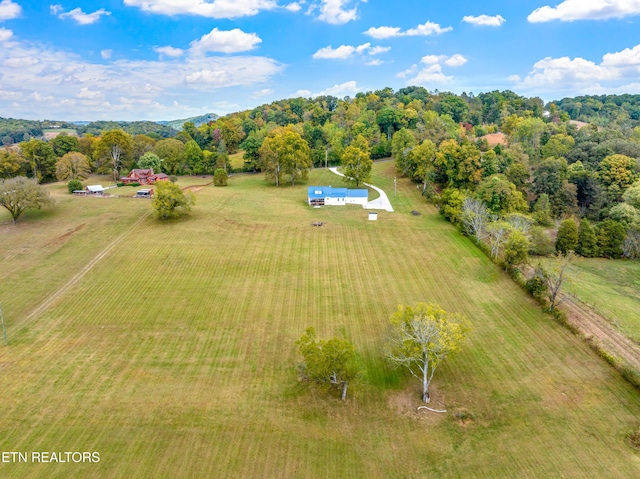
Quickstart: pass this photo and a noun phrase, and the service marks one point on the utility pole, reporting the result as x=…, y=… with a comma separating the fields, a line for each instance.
x=4, y=331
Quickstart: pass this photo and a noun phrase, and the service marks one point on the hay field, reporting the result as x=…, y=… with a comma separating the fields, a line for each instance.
x=174, y=356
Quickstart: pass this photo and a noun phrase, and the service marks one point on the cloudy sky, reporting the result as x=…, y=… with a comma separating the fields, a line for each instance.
x=168, y=59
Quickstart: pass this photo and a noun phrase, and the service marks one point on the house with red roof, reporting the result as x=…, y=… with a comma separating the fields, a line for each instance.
x=143, y=176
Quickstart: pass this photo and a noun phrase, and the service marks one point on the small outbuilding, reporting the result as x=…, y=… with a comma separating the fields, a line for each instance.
x=329, y=196
x=91, y=190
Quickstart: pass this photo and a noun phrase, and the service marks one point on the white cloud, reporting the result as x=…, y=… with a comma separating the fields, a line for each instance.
x=426, y=29
x=456, y=60
x=484, y=20
x=334, y=12
x=431, y=59
x=293, y=7
x=5, y=34
x=85, y=92
x=625, y=58
x=225, y=41
x=514, y=78
x=341, y=90
x=9, y=10
x=21, y=62
x=263, y=92
x=204, y=8
x=70, y=85
x=302, y=93
x=571, y=10
x=379, y=50
x=106, y=54
x=55, y=9
x=82, y=18
x=558, y=71
x=169, y=51
x=341, y=53
x=430, y=74
x=384, y=32
x=410, y=71
x=374, y=63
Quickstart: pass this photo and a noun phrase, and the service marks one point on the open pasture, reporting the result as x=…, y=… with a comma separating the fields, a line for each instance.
x=173, y=355
x=612, y=287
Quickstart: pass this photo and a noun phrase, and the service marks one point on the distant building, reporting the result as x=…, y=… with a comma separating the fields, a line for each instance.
x=328, y=196
x=91, y=190
x=143, y=176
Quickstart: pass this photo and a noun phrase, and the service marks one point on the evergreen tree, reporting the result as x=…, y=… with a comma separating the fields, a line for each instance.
x=587, y=243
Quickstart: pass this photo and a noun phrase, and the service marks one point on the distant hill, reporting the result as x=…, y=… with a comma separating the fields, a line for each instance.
x=197, y=121
x=151, y=128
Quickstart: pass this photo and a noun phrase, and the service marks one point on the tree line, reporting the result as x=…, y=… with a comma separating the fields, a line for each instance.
x=546, y=169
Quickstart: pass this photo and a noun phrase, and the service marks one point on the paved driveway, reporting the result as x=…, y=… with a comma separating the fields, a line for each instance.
x=381, y=203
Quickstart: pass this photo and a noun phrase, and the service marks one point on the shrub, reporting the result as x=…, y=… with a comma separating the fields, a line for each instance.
x=173, y=178
x=119, y=183
x=135, y=183
x=541, y=242
x=220, y=177
x=536, y=287
x=74, y=185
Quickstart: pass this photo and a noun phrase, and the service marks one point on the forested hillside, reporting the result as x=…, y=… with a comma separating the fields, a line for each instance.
x=603, y=110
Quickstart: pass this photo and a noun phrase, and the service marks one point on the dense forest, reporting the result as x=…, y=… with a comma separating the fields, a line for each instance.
x=519, y=176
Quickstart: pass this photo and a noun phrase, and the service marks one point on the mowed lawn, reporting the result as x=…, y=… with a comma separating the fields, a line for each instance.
x=174, y=355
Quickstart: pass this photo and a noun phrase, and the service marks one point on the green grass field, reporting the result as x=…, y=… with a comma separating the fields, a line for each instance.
x=174, y=356
x=612, y=287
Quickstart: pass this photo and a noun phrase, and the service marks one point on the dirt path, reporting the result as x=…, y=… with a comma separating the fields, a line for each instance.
x=594, y=327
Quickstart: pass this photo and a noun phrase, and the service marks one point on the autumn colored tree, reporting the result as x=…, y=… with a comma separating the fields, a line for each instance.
x=72, y=166
x=356, y=162
x=113, y=150
x=422, y=336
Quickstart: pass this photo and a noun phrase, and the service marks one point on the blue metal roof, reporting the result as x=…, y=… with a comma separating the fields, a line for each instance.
x=316, y=192
x=358, y=193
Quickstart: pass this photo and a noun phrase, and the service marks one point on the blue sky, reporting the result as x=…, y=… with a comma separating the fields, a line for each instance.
x=169, y=59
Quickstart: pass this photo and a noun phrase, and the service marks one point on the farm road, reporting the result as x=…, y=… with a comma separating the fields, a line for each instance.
x=595, y=327
x=88, y=267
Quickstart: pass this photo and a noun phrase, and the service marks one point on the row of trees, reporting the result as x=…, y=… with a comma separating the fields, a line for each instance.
x=420, y=338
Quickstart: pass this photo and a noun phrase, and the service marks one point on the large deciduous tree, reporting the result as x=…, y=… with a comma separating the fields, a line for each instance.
x=11, y=164
x=172, y=154
x=329, y=361
x=402, y=143
x=422, y=157
x=72, y=166
x=149, y=160
x=19, y=194
x=113, y=150
x=421, y=337
x=41, y=158
x=356, y=162
x=168, y=197
x=285, y=152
